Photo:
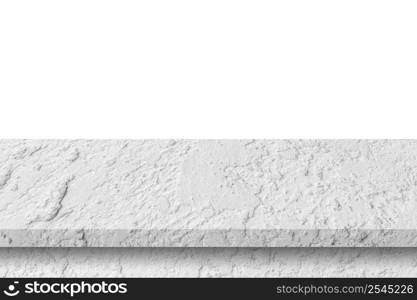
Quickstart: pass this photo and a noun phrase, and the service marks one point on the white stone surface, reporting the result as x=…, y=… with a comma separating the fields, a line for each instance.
x=208, y=262
x=208, y=193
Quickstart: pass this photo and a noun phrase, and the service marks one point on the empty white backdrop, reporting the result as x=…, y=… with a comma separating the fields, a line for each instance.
x=208, y=69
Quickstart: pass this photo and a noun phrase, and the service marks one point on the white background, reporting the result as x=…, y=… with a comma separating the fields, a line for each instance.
x=208, y=69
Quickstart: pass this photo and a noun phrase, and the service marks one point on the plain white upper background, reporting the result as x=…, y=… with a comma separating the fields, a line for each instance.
x=208, y=69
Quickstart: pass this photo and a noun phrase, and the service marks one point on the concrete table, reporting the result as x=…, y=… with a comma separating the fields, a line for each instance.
x=208, y=193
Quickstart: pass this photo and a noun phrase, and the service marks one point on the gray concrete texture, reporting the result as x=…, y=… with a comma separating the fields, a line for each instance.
x=208, y=193
x=208, y=262
x=135, y=194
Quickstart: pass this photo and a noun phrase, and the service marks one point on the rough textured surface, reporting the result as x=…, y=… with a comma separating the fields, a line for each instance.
x=225, y=193
x=209, y=262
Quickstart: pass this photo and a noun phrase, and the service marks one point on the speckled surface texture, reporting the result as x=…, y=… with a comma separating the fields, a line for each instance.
x=208, y=193
x=208, y=262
